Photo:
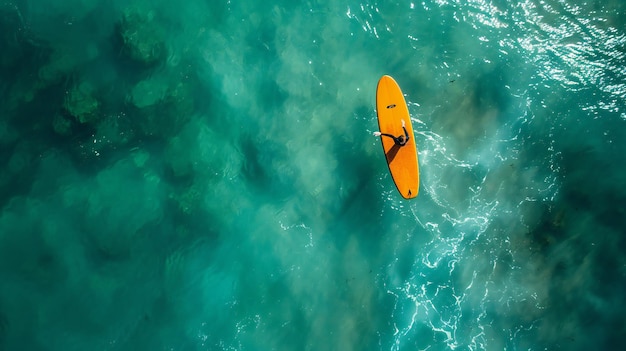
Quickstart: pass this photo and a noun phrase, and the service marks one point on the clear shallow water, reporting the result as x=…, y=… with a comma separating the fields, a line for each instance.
x=203, y=176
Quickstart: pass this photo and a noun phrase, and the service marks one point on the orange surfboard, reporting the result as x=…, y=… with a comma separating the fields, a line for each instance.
x=402, y=160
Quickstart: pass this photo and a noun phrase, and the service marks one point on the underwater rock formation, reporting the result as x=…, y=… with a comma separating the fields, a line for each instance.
x=81, y=103
x=164, y=106
x=61, y=125
x=141, y=36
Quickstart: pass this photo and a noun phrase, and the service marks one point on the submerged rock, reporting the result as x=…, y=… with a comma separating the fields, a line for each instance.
x=163, y=107
x=81, y=103
x=141, y=36
x=148, y=92
x=61, y=125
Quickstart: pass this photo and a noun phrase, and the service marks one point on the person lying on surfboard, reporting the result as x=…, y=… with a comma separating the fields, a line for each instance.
x=400, y=140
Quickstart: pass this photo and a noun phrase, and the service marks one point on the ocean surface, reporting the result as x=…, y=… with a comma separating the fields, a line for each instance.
x=202, y=175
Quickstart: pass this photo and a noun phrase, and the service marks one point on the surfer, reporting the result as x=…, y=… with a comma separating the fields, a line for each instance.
x=400, y=140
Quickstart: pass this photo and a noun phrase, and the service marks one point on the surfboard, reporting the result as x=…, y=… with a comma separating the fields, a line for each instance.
x=391, y=109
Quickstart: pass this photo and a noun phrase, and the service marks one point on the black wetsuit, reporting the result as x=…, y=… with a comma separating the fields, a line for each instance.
x=400, y=141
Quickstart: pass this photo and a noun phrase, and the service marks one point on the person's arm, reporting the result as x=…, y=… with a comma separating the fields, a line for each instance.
x=384, y=134
x=406, y=134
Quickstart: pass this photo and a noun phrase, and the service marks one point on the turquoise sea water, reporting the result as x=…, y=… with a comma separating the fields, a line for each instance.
x=202, y=175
